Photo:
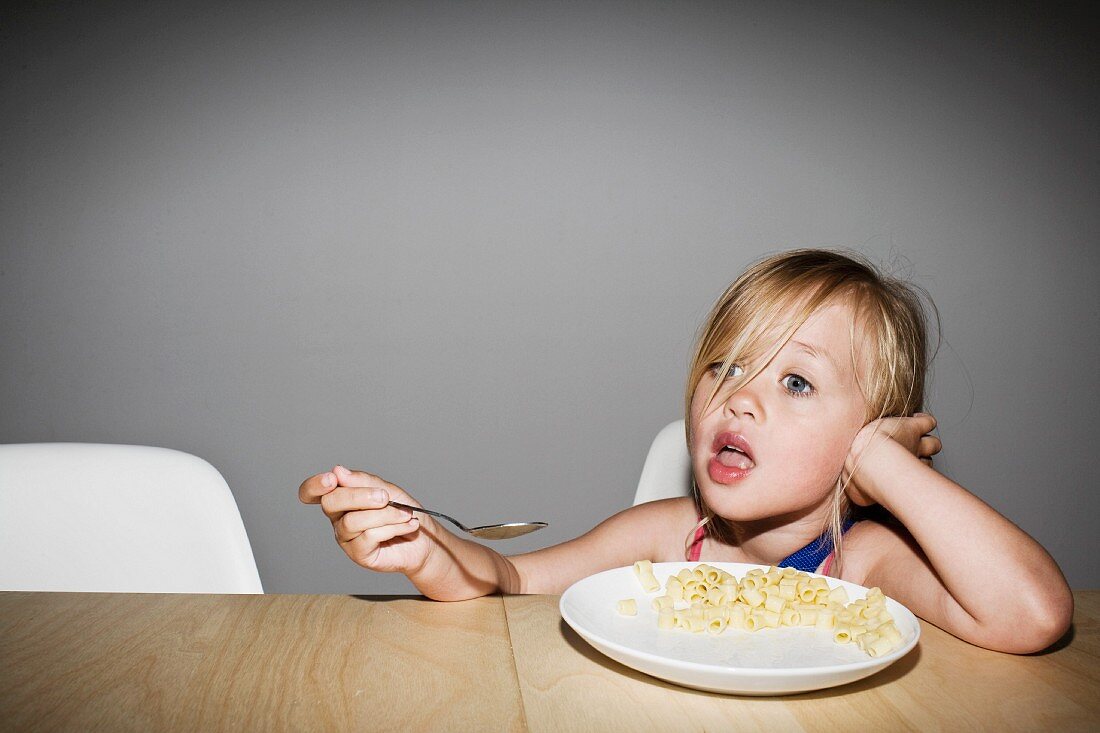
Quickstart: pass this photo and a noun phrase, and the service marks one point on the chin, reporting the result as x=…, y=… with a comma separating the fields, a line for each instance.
x=740, y=503
x=729, y=503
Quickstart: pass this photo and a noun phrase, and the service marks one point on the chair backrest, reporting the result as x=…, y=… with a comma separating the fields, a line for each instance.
x=119, y=518
x=667, y=469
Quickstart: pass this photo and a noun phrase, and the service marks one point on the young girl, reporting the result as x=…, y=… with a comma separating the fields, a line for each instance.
x=801, y=401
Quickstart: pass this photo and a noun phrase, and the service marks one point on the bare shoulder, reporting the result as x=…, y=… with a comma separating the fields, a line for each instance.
x=663, y=523
x=870, y=543
x=668, y=522
x=680, y=506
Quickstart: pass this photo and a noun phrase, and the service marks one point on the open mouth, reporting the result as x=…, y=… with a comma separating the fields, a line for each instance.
x=734, y=459
x=733, y=450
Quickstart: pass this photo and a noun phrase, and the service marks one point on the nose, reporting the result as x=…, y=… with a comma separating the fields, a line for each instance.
x=745, y=402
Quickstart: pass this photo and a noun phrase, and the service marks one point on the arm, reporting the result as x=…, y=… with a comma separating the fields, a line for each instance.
x=649, y=531
x=958, y=563
x=446, y=567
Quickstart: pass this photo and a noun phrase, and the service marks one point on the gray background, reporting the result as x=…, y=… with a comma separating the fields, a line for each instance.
x=467, y=246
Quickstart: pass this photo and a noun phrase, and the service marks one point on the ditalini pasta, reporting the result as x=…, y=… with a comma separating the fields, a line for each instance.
x=643, y=569
x=707, y=599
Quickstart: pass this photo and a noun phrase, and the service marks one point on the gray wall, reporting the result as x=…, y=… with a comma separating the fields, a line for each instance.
x=467, y=246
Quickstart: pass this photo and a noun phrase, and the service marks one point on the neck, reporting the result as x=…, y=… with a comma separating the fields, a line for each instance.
x=767, y=541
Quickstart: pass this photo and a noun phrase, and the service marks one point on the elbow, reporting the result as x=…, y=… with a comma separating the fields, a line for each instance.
x=1037, y=628
x=1058, y=616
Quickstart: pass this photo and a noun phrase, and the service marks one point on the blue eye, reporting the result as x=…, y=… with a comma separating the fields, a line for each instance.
x=797, y=386
x=735, y=370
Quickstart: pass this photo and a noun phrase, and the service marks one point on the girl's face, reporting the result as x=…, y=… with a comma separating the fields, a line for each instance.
x=792, y=425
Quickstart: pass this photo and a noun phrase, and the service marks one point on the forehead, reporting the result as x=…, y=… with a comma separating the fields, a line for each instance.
x=829, y=325
x=828, y=332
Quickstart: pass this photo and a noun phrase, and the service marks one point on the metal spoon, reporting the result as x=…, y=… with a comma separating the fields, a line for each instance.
x=504, y=531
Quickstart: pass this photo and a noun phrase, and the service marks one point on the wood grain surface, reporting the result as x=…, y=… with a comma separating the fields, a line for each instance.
x=152, y=662
x=274, y=662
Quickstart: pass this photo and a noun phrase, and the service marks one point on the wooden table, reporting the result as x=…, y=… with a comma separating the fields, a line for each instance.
x=86, y=661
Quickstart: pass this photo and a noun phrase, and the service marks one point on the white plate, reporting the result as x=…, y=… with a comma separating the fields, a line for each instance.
x=765, y=662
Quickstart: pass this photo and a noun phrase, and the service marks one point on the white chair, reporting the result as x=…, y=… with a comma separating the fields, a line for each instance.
x=667, y=469
x=119, y=518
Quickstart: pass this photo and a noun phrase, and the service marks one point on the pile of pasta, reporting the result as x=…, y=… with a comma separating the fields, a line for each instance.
x=705, y=598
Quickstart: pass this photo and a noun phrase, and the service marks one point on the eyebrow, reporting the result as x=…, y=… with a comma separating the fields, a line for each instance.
x=818, y=353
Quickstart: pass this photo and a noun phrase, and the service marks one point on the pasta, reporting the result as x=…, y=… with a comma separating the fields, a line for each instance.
x=644, y=570
x=706, y=598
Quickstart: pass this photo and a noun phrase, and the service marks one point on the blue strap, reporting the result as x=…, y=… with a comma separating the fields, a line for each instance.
x=812, y=555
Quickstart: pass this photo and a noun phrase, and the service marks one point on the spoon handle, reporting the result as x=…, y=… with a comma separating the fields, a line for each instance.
x=452, y=520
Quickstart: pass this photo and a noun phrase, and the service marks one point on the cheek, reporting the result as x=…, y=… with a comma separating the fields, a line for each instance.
x=837, y=444
x=695, y=414
x=819, y=463
x=699, y=453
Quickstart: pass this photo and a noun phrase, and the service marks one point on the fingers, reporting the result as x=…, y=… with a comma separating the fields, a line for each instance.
x=929, y=446
x=927, y=421
x=354, y=511
x=350, y=525
x=347, y=477
x=364, y=548
x=314, y=487
x=348, y=499
x=368, y=538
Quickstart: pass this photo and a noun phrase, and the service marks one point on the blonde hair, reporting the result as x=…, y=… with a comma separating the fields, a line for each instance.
x=763, y=308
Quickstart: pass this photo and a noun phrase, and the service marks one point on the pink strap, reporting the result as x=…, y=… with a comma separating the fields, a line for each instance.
x=825, y=566
x=696, y=545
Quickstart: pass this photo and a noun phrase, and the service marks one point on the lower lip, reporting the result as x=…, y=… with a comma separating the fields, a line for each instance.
x=723, y=474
